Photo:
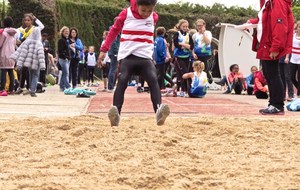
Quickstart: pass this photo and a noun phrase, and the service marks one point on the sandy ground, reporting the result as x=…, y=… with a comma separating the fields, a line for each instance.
x=84, y=152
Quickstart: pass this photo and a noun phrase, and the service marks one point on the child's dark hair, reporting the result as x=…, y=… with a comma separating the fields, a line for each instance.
x=146, y=2
x=160, y=31
x=8, y=22
x=232, y=66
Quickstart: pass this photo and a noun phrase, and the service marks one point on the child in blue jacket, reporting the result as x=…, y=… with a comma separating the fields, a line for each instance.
x=160, y=54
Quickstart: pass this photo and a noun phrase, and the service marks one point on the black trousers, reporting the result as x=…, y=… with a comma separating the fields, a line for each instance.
x=272, y=74
x=160, y=74
x=181, y=66
x=82, y=73
x=237, y=86
x=91, y=70
x=295, y=68
x=133, y=65
x=73, y=72
x=24, y=76
x=11, y=79
x=261, y=95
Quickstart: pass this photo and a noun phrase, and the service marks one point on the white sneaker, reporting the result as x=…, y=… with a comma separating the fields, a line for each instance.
x=114, y=116
x=103, y=90
x=110, y=91
x=244, y=92
x=162, y=113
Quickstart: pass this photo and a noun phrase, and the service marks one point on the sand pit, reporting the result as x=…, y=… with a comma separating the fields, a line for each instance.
x=84, y=152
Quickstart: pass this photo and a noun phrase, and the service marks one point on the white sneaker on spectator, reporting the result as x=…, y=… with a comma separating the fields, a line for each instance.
x=244, y=92
x=110, y=90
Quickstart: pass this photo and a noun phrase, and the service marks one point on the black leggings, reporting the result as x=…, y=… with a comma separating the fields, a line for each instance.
x=91, y=70
x=181, y=66
x=133, y=65
x=237, y=86
x=295, y=68
x=73, y=72
x=82, y=72
x=160, y=74
x=261, y=95
x=24, y=76
x=11, y=79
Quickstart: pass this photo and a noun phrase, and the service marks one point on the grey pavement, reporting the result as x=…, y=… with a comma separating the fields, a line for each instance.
x=52, y=103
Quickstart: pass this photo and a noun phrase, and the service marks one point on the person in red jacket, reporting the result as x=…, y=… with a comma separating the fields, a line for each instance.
x=273, y=40
x=260, y=87
x=136, y=25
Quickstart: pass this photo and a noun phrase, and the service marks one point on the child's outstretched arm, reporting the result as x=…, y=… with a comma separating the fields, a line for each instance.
x=188, y=75
x=112, y=34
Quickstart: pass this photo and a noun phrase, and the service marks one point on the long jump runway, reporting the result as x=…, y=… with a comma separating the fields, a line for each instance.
x=214, y=104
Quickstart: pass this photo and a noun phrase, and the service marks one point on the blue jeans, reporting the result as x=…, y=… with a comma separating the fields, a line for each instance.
x=112, y=71
x=64, y=81
x=34, y=78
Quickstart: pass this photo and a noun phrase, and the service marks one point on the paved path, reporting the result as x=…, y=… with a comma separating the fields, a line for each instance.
x=52, y=103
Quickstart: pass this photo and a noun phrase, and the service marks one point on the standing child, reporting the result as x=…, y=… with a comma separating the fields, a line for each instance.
x=105, y=66
x=160, y=55
x=82, y=67
x=135, y=55
x=184, y=45
x=7, y=47
x=91, y=61
x=197, y=89
x=34, y=60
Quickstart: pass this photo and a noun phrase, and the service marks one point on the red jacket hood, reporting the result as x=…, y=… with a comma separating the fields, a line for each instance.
x=262, y=2
x=134, y=8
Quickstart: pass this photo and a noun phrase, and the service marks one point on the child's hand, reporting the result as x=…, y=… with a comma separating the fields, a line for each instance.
x=195, y=56
x=267, y=88
x=100, y=59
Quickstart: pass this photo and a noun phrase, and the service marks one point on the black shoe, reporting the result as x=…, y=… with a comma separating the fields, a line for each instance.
x=271, y=110
x=19, y=91
x=33, y=94
x=221, y=83
x=227, y=92
x=82, y=95
x=140, y=89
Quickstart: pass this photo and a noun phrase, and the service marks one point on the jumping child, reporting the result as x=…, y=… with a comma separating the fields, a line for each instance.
x=136, y=25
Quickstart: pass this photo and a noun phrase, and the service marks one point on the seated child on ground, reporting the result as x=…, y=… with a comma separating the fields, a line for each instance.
x=236, y=81
x=199, y=80
x=260, y=86
x=250, y=80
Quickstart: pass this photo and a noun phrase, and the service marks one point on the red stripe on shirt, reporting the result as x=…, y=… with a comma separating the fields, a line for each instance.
x=137, y=40
x=296, y=48
x=295, y=52
x=131, y=32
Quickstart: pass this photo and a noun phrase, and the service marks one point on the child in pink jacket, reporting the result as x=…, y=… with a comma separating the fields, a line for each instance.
x=260, y=88
x=237, y=81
